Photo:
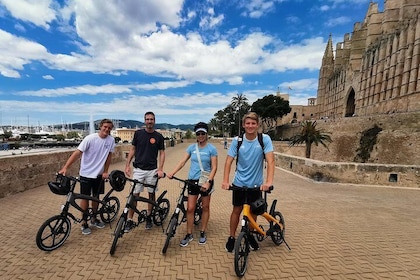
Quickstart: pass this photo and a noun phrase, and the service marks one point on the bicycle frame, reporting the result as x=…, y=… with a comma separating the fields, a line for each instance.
x=248, y=220
x=132, y=199
x=72, y=197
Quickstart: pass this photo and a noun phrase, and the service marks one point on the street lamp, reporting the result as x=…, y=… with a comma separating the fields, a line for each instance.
x=239, y=121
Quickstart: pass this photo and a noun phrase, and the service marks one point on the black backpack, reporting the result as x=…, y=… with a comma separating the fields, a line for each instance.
x=241, y=139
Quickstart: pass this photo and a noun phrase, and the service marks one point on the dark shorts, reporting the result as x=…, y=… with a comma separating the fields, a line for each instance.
x=196, y=190
x=238, y=197
x=92, y=186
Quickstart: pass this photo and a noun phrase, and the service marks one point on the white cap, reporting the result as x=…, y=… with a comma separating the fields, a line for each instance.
x=201, y=129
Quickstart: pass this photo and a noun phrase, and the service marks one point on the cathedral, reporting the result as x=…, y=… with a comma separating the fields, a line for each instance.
x=375, y=70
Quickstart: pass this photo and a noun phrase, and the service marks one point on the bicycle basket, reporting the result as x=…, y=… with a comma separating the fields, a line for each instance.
x=117, y=180
x=61, y=186
x=259, y=206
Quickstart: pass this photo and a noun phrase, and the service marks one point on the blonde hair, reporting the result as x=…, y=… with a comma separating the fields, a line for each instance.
x=251, y=115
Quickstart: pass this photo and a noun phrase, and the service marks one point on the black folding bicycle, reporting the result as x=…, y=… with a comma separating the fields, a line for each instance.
x=180, y=209
x=159, y=213
x=55, y=231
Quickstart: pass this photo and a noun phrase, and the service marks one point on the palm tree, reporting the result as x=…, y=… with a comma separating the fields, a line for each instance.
x=238, y=103
x=310, y=134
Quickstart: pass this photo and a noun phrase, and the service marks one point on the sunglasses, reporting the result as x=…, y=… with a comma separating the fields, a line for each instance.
x=200, y=133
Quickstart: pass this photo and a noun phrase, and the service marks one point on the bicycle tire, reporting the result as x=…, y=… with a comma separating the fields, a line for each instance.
x=170, y=232
x=110, y=209
x=278, y=234
x=53, y=233
x=160, y=214
x=118, y=232
x=241, y=253
x=198, y=212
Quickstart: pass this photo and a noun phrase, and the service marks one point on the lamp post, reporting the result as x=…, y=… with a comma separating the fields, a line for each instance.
x=239, y=121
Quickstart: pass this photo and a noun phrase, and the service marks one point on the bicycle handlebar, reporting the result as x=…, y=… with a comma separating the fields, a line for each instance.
x=182, y=180
x=246, y=189
x=135, y=181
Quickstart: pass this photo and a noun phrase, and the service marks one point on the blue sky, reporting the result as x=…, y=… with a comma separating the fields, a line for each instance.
x=70, y=61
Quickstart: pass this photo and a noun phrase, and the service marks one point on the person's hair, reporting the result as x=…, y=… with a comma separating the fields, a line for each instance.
x=106, y=121
x=149, y=113
x=201, y=125
x=252, y=116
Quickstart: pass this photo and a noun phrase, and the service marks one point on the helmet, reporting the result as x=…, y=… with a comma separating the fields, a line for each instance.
x=259, y=206
x=201, y=126
x=61, y=186
x=117, y=180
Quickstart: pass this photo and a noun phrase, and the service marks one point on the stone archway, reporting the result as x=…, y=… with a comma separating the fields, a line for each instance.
x=350, y=104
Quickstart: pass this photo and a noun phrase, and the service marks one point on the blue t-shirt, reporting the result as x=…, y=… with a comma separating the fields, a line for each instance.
x=206, y=153
x=249, y=171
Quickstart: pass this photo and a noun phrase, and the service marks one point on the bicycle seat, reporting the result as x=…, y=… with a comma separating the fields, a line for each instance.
x=117, y=180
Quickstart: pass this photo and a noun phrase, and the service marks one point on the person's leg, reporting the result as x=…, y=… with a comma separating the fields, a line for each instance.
x=192, y=201
x=234, y=219
x=86, y=189
x=205, y=216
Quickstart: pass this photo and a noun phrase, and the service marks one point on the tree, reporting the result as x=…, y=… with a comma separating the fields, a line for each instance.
x=239, y=107
x=309, y=134
x=270, y=108
x=72, y=135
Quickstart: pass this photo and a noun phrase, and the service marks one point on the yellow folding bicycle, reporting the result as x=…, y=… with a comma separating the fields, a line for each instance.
x=276, y=228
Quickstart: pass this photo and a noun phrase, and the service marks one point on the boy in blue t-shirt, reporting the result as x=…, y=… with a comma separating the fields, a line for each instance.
x=249, y=171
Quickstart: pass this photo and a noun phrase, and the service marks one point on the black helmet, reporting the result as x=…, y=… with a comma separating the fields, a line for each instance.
x=117, y=180
x=61, y=186
x=201, y=126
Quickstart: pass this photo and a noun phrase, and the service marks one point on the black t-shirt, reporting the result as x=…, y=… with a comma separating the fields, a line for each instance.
x=147, y=146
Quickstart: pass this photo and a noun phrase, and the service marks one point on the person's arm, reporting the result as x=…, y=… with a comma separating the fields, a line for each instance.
x=161, y=163
x=269, y=157
x=128, y=161
x=74, y=156
x=179, y=166
x=226, y=172
x=106, y=166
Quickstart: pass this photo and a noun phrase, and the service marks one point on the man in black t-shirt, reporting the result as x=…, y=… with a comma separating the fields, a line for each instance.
x=147, y=144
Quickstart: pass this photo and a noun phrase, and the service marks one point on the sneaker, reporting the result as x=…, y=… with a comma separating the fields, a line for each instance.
x=149, y=223
x=86, y=230
x=129, y=226
x=97, y=223
x=230, y=244
x=203, y=238
x=187, y=239
x=253, y=243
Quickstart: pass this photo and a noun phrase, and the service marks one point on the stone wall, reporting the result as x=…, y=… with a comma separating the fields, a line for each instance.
x=348, y=172
x=23, y=172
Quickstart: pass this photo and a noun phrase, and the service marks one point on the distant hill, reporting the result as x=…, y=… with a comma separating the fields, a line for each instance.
x=130, y=124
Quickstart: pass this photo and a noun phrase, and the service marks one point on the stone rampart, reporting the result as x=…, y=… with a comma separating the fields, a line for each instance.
x=23, y=172
x=350, y=172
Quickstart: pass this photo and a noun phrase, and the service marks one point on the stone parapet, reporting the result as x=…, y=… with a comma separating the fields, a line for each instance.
x=349, y=172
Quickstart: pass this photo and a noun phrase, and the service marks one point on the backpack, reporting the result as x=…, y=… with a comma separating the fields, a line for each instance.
x=240, y=140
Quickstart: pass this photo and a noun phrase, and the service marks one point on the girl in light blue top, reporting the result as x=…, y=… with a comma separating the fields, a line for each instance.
x=203, y=157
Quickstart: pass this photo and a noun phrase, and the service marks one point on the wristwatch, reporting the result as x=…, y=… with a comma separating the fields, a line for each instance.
x=210, y=181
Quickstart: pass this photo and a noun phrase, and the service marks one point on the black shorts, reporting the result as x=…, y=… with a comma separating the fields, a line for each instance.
x=92, y=186
x=238, y=197
x=196, y=189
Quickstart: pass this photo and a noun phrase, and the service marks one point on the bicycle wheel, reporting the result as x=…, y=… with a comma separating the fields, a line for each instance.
x=110, y=209
x=118, y=232
x=278, y=234
x=170, y=232
x=198, y=212
x=53, y=233
x=160, y=214
x=241, y=253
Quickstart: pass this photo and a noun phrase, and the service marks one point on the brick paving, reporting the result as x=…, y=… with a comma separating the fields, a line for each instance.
x=336, y=231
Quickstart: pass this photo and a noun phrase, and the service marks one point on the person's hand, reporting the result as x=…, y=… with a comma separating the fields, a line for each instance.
x=105, y=175
x=128, y=171
x=265, y=187
x=62, y=171
x=205, y=187
x=160, y=174
x=225, y=185
x=170, y=175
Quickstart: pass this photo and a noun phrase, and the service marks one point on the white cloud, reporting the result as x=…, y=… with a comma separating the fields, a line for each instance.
x=38, y=12
x=48, y=77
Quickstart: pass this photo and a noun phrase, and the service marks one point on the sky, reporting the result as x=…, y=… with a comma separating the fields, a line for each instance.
x=77, y=60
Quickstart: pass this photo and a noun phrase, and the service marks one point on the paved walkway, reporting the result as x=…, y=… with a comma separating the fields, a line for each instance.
x=336, y=231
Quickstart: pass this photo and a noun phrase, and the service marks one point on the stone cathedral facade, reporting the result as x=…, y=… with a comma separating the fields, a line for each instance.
x=376, y=69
